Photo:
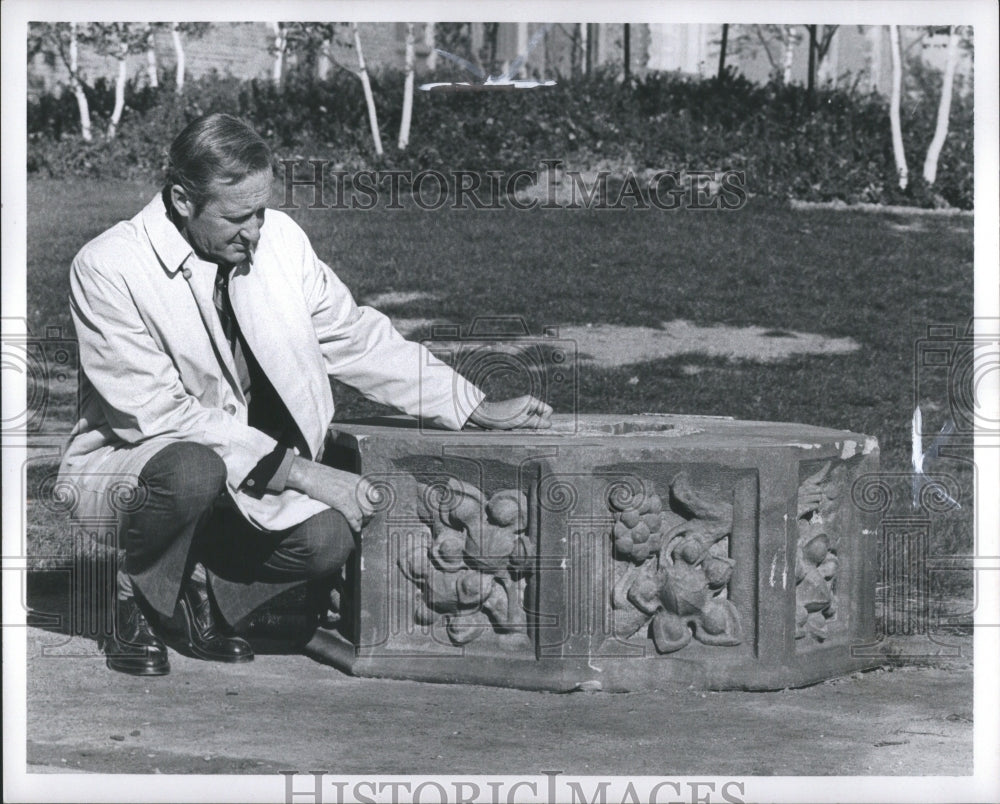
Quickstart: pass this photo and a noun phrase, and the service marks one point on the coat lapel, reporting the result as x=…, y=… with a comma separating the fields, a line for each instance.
x=287, y=353
x=176, y=256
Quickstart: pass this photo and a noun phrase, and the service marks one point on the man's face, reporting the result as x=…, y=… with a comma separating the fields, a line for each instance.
x=226, y=229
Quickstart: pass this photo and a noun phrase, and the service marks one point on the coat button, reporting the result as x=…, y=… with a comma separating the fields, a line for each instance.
x=230, y=409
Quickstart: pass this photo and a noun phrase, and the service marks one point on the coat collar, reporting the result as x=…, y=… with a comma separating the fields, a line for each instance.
x=168, y=243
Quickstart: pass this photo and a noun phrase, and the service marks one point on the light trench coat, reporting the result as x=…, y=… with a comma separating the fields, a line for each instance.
x=156, y=366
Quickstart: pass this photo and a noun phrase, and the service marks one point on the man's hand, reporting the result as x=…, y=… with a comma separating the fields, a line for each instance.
x=344, y=491
x=509, y=414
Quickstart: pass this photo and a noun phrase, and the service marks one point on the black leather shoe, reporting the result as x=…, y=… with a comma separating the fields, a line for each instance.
x=134, y=648
x=200, y=634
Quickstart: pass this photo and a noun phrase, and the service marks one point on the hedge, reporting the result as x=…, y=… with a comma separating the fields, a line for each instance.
x=833, y=146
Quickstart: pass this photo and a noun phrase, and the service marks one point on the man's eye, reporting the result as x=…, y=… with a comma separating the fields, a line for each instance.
x=259, y=214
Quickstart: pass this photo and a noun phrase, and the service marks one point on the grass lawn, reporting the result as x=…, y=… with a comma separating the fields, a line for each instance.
x=879, y=279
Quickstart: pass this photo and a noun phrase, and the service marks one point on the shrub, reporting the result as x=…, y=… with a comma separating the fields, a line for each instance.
x=834, y=145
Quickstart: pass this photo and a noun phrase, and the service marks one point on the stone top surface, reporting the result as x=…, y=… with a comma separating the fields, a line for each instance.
x=609, y=429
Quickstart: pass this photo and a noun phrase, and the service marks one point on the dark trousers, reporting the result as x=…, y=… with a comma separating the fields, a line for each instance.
x=187, y=517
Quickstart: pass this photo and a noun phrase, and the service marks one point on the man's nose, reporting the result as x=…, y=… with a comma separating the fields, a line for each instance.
x=251, y=231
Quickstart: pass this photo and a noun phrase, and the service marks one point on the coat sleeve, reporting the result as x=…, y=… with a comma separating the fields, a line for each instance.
x=362, y=349
x=139, y=387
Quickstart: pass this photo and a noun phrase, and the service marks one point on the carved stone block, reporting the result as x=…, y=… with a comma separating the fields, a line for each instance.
x=612, y=552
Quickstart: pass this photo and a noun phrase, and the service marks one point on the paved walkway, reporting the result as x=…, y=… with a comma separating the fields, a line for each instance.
x=284, y=712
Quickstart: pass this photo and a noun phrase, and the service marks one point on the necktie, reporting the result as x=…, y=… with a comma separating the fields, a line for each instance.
x=224, y=308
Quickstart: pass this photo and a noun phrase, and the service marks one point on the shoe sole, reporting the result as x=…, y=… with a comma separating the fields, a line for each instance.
x=138, y=671
x=209, y=657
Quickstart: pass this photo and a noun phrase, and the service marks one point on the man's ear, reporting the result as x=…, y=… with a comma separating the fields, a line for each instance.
x=181, y=201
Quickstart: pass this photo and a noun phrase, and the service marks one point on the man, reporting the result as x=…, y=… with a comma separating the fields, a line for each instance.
x=208, y=329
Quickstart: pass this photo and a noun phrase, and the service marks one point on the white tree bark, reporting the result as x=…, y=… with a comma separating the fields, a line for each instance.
x=944, y=109
x=154, y=80
x=77, y=85
x=116, y=114
x=151, y=67
x=175, y=34
x=366, y=85
x=894, y=102
x=323, y=61
x=279, y=53
x=522, y=48
x=430, y=40
x=404, y=124
x=789, y=55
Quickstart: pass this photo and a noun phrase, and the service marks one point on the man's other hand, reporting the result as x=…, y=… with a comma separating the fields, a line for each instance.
x=525, y=412
x=343, y=491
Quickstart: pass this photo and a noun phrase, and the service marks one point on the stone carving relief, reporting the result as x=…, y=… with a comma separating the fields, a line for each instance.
x=816, y=561
x=471, y=573
x=673, y=565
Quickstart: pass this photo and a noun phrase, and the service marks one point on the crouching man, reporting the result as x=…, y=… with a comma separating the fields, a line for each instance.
x=208, y=330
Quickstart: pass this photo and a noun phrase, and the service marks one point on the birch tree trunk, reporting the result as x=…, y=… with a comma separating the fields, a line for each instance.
x=894, y=102
x=175, y=34
x=116, y=114
x=944, y=109
x=323, y=61
x=77, y=85
x=366, y=85
x=789, y=55
x=404, y=124
x=279, y=53
x=151, y=67
x=430, y=40
x=154, y=80
x=522, y=48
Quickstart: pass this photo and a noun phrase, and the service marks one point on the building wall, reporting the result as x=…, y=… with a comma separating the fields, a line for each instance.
x=857, y=54
x=240, y=49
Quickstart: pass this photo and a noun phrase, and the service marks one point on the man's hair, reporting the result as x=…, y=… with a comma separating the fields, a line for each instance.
x=214, y=148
